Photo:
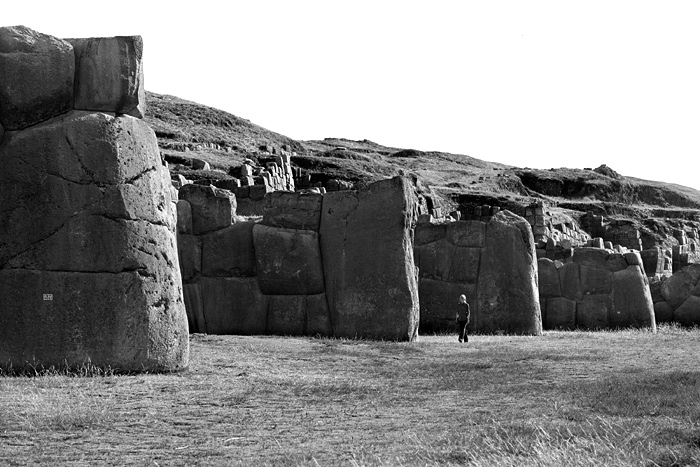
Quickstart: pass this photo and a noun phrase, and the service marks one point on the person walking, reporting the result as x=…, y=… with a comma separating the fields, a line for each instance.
x=462, y=318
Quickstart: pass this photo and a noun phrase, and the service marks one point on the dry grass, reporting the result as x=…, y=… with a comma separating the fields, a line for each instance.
x=624, y=398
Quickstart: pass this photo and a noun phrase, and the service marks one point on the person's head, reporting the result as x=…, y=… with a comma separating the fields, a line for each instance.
x=462, y=298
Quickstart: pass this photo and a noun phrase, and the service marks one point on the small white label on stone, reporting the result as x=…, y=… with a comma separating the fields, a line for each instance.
x=48, y=296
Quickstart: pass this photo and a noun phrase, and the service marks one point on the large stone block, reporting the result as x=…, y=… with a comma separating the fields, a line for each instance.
x=632, y=302
x=367, y=250
x=593, y=312
x=292, y=210
x=427, y=232
x=189, y=250
x=663, y=312
x=592, y=257
x=548, y=278
x=192, y=294
x=212, y=208
x=234, y=305
x=36, y=77
x=688, y=314
x=677, y=288
x=229, y=251
x=434, y=260
x=570, y=281
x=129, y=321
x=595, y=280
x=184, y=217
x=471, y=234
x=465, y=265
x=507, y=287
x=288, y=261
x=109, y=75
x=561, y=314
x=286, y=315
x=438, y=305
x=84, y=173
x=318, y=317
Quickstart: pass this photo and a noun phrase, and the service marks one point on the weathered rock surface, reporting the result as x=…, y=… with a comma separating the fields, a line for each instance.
x=367, y=251
x=688, y=314
x=189, y=250
x=234, y=305
x=192, y=294
x=109, y=75
x=632, y=302
x=593, y=312
x=125, y=321
x=286, y=315
x=88, y=219
x=548, y=278
x=36, y=77
x=292, y=210
x=212, y=208
x=318, y=318
x=507, y=287
x=288, y=261
x=560, y=314
x=229, y=251
x=677, y=288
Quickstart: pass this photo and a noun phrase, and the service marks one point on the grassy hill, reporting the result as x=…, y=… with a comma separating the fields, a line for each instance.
x=187, y=130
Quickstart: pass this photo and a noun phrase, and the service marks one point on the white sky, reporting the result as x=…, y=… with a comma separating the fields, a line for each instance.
x=528, y=83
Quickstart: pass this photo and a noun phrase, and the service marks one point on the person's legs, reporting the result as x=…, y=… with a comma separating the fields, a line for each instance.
x=459, y=331
x=462, y=329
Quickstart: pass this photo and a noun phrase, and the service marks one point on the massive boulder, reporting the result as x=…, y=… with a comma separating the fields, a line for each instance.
x=36, y=77
x=507, y=287
x=88, y=240
x=367, y=250
x=632, y=302
x=109, y=71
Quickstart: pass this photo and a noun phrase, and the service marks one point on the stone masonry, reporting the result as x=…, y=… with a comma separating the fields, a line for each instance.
x=88, y=263
x=492, y=263
x=339, y=264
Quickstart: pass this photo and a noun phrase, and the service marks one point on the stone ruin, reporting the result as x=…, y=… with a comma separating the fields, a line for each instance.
x=677, y=298
x=91, y=269
x=88, y=261
x=335, y=264
x=493, y=263
x=595, y=289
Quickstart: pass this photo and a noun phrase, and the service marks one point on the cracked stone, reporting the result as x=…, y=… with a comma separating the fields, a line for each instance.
x=367, y=252
x=36, y=77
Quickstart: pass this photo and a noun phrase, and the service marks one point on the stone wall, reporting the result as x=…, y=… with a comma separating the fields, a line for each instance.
x=88, y=263
x=677, y=298
x=492, y=263
x=337, y=264
x=597, y=289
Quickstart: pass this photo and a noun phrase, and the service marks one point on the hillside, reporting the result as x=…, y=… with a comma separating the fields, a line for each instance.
x=187, y=130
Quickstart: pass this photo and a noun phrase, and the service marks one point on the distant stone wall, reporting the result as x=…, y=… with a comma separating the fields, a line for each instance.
x=88, y=262
x=596, y=289
x=677, y=298
x=492, y=263
x=339, y=264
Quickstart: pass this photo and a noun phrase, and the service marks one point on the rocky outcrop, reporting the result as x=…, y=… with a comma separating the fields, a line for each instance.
x=88, y=264
x=491, y=263
x=597, y=289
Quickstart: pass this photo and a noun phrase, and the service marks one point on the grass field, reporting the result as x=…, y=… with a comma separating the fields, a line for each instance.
x=566, y=398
